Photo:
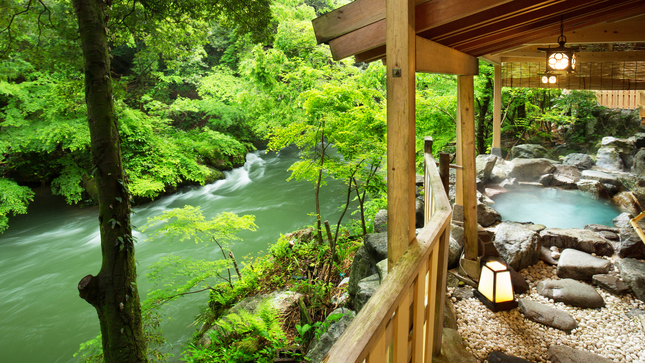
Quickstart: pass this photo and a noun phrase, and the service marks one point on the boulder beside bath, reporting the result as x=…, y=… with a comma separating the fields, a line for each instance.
x=571, y=292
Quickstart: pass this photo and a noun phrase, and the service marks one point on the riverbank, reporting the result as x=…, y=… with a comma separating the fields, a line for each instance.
x=47, y=251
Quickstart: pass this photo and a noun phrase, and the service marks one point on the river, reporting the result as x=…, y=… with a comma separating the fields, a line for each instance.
x=45, y=253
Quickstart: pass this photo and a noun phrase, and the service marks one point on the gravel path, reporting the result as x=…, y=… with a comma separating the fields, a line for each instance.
x=608, y=331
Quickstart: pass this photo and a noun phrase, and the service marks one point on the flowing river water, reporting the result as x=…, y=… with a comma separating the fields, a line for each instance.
x=45, y=253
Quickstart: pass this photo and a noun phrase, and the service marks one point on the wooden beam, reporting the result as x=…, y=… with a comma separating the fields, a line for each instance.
x=642, y=107
x=490, y=16
x=512, y=39
x=549, y=25
x=492, y=59
x=371, y=55
x=583, y=57
x=466, y=96
x=432, y=13
x=627, y=31
x=348, y=18
x=433, y=57
x=509, y=23
x=401, y=175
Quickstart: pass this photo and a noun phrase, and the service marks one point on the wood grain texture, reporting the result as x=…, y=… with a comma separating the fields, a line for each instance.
x=400, y=127
x=373, y=35
x=374, y=320
x=432, y=57
x=466, y=96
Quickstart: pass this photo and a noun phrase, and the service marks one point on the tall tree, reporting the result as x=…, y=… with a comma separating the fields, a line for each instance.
x=113, y=291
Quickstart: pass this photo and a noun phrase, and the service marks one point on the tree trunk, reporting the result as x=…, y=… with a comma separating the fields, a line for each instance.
x=319, y=183
x=113, y=292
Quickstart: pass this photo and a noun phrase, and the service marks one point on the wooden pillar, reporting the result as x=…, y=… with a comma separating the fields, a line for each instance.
x=497, y=113
x=400, y=55
x=466, y=107
x=642, y=106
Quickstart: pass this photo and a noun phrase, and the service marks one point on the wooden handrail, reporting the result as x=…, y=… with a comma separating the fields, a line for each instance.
x=406, y=312
x=634, y=222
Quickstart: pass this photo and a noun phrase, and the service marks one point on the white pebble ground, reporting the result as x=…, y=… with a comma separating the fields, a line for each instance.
x=608, y=331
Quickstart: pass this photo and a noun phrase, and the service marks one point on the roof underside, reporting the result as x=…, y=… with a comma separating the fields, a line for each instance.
x=508, y=31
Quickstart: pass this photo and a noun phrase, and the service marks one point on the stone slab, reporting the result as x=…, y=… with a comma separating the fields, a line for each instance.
x=547, y=315
x=580, y=265
x=571, y=292
x=565, y=354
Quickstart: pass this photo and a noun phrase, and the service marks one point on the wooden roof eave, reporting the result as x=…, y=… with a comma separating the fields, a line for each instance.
x=358, y=28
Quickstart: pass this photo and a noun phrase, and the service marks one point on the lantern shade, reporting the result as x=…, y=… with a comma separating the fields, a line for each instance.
x=560, y=59
x=495, y=288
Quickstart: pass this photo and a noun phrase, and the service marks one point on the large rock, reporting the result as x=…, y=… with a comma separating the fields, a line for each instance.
x=419, y=212
x=484, y=165
x=565, y=354
x=622, y=220
x=500, y=172
x=362, y=267
x=633, y=273
x=453, y=349
x=530, y=169
x=624, y=147
x=499, y=357
x=529, y=151
x=639, y=163
x=320, y=347
x=571, y=292
x=566, y=176
x=449, y=314
x=609, y=158
x=380, y=221
x=376, y=246
x=547, y=256
x=627, y=202
x=600, y=176
x=638, y=139
x=630, y=244
x=366, y=288
x=580, y=161
x=518, y=245
x=579, y=239
x=611, y=283
x=547, y=315
x=594, y=188
x=580, y=265
x=454, y=253
x=487, y=216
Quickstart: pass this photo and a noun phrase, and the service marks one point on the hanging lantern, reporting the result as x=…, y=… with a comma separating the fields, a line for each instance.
x=495, y=289
x=560, y=59
x=549, y=78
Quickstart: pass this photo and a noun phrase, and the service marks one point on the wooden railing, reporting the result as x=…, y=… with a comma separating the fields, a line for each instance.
x=403, y=320
x=619, y=99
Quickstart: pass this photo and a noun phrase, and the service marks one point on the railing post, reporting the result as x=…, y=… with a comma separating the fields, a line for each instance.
x=427, y=145
x=444, y=172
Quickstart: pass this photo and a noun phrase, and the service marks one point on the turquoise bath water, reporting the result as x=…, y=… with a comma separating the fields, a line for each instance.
x=554, y=208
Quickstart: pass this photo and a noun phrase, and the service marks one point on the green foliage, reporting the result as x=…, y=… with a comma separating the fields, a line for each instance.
x=319, y=327
x=189, y=223
x=68, y=184
x=242, y=337
x=13, y=200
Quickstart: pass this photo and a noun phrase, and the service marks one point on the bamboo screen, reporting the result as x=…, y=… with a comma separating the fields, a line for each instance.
x=590, y=76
